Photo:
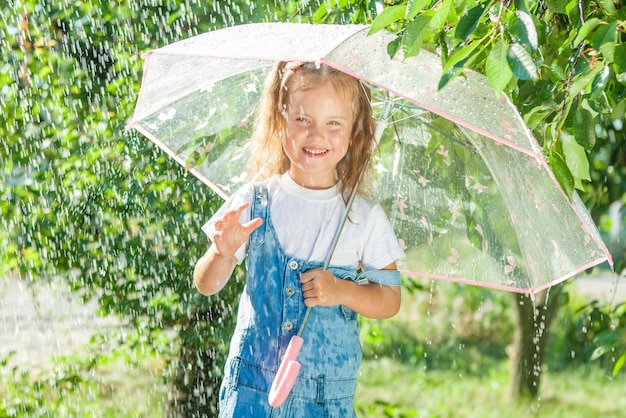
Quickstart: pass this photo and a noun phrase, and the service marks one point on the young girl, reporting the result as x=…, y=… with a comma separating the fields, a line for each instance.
x=314, y=133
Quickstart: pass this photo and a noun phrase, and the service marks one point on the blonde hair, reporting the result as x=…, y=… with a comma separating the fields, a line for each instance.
x=267, y=156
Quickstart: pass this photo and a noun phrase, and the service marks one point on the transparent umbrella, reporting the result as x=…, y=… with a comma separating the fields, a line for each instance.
x=464, y=183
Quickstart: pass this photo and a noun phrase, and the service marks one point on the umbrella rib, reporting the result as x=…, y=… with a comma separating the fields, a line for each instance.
x=388, y=103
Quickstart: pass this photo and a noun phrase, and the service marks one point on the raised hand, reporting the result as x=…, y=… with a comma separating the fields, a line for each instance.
x=229, y=234
x=215, y=267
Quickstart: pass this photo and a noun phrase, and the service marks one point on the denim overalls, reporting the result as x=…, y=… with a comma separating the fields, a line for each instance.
x=270, y=312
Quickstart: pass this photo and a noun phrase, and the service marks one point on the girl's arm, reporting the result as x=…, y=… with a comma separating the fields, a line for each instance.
x=212, y=271
x=214, y=268
x=375, y=301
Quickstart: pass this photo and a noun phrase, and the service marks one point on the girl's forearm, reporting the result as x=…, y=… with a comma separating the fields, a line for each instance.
x=212, y=271
x=373, y=300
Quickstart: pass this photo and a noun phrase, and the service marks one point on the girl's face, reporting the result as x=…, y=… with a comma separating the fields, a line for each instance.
x=319, y=125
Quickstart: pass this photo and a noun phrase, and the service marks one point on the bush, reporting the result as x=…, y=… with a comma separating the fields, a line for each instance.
x=446, y=325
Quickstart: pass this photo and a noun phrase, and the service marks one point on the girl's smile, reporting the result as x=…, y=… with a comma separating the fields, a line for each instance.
x=319, y=128
x=315, y=152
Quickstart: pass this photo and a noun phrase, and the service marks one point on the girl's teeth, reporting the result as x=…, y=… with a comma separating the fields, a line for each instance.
x=315, y=152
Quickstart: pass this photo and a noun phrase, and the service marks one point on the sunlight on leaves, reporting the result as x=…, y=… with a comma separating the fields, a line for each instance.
x=521, y=63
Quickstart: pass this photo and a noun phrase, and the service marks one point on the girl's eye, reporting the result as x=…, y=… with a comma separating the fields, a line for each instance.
x=334, y=123
x=301, y=119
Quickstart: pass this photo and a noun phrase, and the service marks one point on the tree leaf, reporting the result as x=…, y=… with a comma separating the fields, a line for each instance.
x=521, y=62
x=576, y=159
x=523, y=28
x=619, y=110
x=558, y=73
x=521, y=5
x=393, y=47
x=599, y=103
x=584, y=129
x=414, y=7
x=600, y=81
x=441, y=15
x=619, y=364
x=599, y=352
x=604, y=40
x=387, y=17
x=562, y=173
x=585, y=30
x=537, y=116
x=608, y=6
x=497, y=68
x=619, y=58
x=580, y=81
x=457, y=63
x=460, y=55
x=414, y=33
x=469, y=22
x=559, y=6
x=450, y=74
x=473, y=236
x=571, y=9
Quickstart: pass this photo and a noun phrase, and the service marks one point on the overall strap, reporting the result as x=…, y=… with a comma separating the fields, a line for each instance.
x=259, y=209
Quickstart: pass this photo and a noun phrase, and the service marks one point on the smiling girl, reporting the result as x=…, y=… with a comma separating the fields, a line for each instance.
x=314, y=134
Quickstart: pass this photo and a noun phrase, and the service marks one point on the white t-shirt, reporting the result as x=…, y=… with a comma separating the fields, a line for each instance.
x=306, y=220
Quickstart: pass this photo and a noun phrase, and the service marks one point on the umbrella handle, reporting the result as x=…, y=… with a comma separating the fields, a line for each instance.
x=287, y=373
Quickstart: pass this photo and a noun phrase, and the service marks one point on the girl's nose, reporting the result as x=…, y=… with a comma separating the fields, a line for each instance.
x=313, y=133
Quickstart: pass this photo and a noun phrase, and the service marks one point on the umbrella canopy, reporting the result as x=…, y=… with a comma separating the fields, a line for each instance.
x=463, y=181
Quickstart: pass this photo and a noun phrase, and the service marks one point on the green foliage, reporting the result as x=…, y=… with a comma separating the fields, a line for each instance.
x=394, y=389
x=588, y=333
x=562, y=62
x=81, y=195
x=457, y=337
x=600, y=334
x=447, y=325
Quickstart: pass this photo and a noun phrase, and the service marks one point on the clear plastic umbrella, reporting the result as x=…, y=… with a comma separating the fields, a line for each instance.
x=463, y=181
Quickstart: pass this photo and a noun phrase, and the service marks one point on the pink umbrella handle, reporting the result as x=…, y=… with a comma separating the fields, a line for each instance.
x=287, y=373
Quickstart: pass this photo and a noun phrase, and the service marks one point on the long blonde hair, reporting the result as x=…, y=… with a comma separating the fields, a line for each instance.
x=267, y=155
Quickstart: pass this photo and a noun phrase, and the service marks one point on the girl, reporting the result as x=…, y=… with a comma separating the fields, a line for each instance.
x=314, y=133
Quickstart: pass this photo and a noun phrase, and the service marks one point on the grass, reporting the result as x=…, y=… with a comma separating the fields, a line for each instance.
x=388, y=388
x=141, y=390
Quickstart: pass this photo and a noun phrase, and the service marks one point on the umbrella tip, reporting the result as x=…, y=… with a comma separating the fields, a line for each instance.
x=381, y=125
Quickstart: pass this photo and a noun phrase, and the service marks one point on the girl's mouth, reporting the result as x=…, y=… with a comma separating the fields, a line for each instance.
x=315, y=152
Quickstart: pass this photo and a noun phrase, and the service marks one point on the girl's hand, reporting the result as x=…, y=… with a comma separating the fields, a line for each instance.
x=372, y=300
x=321, y=288
x=229, y=234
